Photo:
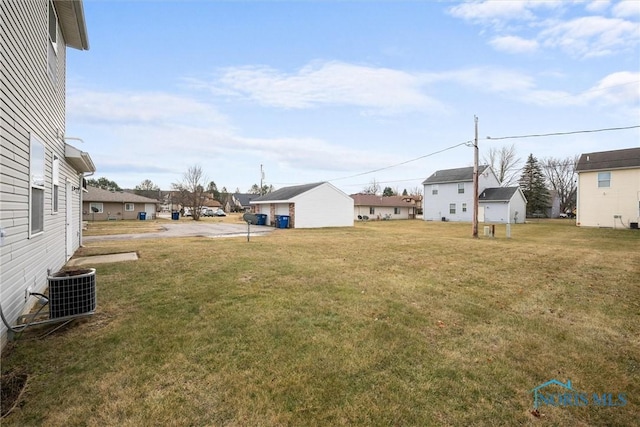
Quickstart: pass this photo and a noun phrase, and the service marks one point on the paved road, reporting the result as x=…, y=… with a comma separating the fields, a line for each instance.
x=190, y=229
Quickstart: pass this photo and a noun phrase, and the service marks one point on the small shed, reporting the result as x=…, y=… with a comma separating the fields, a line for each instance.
x=307, y=206
x=502, y=205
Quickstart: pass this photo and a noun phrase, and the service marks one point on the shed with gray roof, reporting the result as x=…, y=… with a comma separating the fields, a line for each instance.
x=502, y=205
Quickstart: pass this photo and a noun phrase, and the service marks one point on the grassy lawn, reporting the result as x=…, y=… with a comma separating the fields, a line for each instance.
x=104, y=228
x=405, y=323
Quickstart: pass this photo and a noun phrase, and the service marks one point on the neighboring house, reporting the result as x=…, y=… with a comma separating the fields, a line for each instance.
x=102, y=205
x=241, y=202
x=41, y=176
x=609, y=189
x=448, y=196
x=211, y=203
x=378, y=207
x=169, y=201
x=502, y=205
x=308, y=206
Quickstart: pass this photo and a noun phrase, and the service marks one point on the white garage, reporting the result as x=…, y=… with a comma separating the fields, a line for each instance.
x=306, y=206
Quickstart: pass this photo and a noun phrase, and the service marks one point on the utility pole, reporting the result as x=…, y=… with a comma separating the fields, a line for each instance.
x=475, y=180
x=261, y=178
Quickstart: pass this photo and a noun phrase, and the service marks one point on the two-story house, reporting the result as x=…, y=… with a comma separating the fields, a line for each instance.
x=609, y=189
x=41, y=176
x=448, y=196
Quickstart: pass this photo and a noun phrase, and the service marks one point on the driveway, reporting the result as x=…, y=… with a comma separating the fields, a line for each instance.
x=190, y=229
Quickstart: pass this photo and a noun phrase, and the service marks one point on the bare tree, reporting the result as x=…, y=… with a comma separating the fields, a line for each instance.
x=372, y=188
x=504, y=162
x=147, y=185
x=415, y=192
x=191, y=192
x=561, y=176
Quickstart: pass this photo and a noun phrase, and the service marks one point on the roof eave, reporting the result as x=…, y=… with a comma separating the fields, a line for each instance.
x=80, y=160
x=72, y=22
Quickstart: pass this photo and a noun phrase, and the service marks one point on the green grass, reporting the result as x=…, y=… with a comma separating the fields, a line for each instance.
x=386, y=323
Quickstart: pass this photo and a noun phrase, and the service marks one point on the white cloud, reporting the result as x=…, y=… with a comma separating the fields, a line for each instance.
x=491, y=11
x=592, y=36
x=598, y=6
x=514, y=44
x=160, y=133
x=139, y=107
x=581, y=37
x=627, y=9
x=621, y=88
x=381, y=90
x=499, y=12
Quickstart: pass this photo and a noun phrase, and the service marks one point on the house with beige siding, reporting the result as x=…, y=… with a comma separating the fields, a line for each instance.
x=374, y=207
x=103, y=205
x=41, y=174
x=609, y=189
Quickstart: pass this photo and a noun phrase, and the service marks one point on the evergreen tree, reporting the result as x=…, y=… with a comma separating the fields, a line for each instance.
x=532, y=184
x=104, y=183
x=388, y=191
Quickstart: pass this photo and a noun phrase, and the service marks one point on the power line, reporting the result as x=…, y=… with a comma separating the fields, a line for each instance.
x=467, y=143
x=561, y=133
x=402, y=163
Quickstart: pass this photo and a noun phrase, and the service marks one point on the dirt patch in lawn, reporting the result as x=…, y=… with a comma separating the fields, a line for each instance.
x=12, y=386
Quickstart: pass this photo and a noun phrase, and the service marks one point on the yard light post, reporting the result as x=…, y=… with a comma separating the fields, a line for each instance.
x=475, y=179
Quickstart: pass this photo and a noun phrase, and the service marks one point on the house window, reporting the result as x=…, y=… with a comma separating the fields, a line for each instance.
x=55, y=175
x=604, y=179
x=464, y=207
x=434, y=190
x=95, y=207
x=396, y=211
x=461, y=188
x=52, y=53
x=372, y=210
x=128, y=207
x=452, y=208
x=36, y=187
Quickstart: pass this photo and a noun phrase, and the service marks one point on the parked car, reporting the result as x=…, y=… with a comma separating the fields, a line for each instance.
x=208, y=212
x=219, y=212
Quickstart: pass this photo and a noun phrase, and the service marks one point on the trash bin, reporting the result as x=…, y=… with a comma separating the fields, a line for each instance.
x=262, y=219
x=142, y=216
x=282, y=221
x=175, y=215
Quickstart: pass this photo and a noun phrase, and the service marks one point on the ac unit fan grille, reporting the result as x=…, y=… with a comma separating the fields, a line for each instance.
x=72, y=293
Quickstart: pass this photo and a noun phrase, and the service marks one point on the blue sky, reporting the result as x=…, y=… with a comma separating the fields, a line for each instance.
x=331, y=90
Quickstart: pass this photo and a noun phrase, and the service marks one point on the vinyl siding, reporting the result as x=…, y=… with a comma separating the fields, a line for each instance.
x=30, y=104
x=597, y=206
x=323, y=206
x=435, y=207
